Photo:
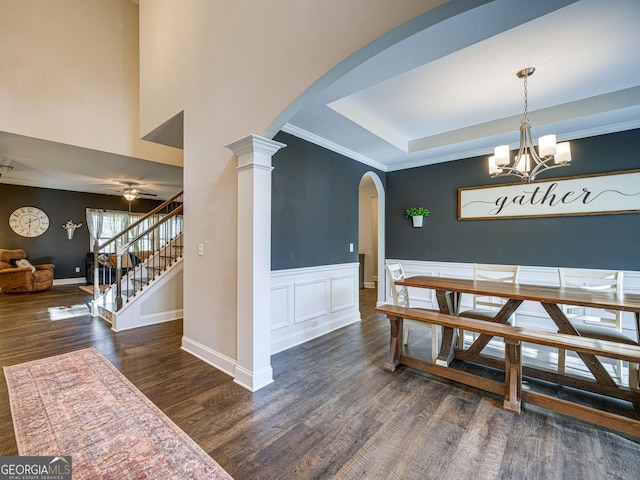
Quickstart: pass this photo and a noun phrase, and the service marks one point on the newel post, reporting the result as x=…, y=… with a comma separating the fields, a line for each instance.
x=253, y=367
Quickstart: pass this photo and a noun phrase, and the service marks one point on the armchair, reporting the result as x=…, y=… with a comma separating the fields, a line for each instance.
x=21, y=279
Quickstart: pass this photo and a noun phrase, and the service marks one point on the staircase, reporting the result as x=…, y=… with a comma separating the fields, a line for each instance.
x=144, y=264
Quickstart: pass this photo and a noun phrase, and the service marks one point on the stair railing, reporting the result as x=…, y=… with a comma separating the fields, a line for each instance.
x=146, y=254
x=169, y=228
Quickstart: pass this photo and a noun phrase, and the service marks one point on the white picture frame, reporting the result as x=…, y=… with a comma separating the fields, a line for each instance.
x=601, y=194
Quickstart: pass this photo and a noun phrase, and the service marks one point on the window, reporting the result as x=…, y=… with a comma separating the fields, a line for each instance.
x=106, y=224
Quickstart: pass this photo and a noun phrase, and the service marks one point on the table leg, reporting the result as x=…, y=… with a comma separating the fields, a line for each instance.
x=395, y=344
x=502, y=316
x=449, y=303
x=512, y=375
x=592, y=363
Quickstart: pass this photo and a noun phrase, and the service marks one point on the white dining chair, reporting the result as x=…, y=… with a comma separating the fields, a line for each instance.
x=400, y=296
x=594, y=323
x=593, y=280
x=485, y=307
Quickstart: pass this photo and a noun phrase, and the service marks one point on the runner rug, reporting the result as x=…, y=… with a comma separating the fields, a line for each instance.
x=78, y=404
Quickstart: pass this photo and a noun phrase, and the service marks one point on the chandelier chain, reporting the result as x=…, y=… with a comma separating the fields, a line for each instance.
x=525, y=119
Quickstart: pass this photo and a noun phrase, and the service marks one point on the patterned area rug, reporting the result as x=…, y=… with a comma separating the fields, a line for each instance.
x=79, y=404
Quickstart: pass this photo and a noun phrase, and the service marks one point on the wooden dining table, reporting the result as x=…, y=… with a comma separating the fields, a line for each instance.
x=449, y=293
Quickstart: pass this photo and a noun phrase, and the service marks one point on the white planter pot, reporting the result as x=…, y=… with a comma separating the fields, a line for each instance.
x=417, y=220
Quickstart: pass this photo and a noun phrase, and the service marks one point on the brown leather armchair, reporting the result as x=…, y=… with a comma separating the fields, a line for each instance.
x=23, y=279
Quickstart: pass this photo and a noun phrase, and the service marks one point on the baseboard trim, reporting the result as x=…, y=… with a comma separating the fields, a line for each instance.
x=298, y=338
x=215, y=359
x=253, y=381
x=70, y=281
x=147, y=320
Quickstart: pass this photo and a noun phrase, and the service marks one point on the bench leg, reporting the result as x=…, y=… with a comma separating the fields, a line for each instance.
x=449, y=303
x=435, y=344
x=513, y=375
x=395, y=344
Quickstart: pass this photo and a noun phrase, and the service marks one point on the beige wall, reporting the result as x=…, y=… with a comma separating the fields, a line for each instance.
x=234, y=67
x=367, y=227
x=69, y=73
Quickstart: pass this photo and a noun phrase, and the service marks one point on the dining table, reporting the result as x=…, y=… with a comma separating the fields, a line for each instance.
x=449, y=293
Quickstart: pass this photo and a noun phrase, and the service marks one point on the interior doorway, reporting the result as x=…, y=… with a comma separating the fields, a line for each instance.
x=371, y=233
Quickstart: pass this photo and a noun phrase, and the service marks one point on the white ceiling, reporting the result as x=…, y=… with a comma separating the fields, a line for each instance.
x=451, y=91
x=41, y=163
x=445, y=93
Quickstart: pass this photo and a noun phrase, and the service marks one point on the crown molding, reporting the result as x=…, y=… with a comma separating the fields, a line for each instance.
x=334, y=147
x=315, y=139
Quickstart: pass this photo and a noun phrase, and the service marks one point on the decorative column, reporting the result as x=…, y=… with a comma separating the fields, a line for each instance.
x=253, y=366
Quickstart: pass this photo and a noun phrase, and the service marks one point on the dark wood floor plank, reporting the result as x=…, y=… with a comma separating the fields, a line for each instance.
x=482, y=446
x=622, y=458
x=332, y=412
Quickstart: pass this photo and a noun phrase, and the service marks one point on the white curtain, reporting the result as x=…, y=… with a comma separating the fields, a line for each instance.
x=114, y=222
x=94, y=223
x=105, y=224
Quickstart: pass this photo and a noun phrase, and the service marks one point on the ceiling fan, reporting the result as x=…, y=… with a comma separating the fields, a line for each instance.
x=131, y=193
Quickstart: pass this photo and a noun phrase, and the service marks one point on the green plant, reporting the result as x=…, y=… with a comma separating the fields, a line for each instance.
x=417, y=211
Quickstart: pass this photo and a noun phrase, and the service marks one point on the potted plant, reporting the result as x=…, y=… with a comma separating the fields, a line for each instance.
x=417, y=214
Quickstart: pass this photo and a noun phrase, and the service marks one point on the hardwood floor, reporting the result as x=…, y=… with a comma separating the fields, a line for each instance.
x=332, y=411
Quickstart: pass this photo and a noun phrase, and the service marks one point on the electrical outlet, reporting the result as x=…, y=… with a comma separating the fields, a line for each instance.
x=77, y=269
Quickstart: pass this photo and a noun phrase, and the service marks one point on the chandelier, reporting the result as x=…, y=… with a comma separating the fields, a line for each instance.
x=528, y=163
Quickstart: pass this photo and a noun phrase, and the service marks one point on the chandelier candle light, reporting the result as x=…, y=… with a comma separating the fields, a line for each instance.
x=528, y=163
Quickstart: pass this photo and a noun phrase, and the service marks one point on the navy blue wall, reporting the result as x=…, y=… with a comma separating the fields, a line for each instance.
x=314, y=205
x=594, y=241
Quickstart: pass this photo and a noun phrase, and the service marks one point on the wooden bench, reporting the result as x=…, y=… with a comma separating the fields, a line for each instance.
x=511, y=389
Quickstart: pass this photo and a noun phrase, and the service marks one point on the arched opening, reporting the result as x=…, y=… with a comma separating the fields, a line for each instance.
x=371, y=227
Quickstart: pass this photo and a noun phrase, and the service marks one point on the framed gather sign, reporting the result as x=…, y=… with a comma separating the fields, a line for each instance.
x=617, y=192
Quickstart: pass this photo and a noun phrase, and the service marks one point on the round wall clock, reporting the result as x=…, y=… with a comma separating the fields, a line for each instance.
x=28, y=221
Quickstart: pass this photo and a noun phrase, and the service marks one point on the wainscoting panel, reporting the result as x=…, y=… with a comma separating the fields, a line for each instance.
x=529, y=315
x=280, y=299
x=309, y=302
x=343, y=293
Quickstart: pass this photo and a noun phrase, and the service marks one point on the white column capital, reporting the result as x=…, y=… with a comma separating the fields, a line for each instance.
x=260, y=148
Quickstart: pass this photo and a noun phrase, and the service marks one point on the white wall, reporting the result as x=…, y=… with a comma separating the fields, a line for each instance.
x=70, y=74
x=366, y=228
x=162, y=302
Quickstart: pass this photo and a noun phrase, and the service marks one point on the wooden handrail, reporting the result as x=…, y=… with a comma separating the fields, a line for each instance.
x=140, y=220
x=166, y=218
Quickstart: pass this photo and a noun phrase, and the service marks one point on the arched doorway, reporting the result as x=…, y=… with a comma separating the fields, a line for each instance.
x=371, y=230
